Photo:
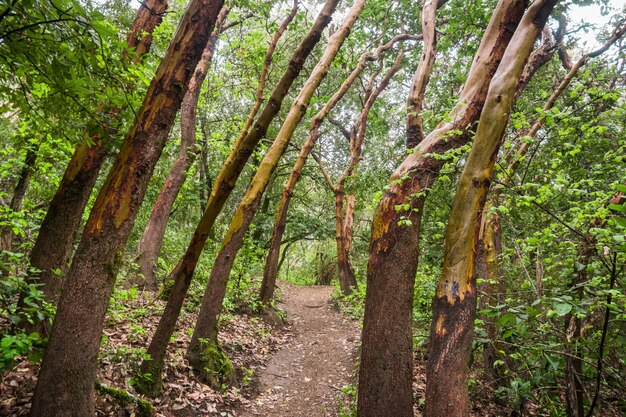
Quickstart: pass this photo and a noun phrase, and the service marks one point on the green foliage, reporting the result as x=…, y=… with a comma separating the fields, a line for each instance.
x=17, y=346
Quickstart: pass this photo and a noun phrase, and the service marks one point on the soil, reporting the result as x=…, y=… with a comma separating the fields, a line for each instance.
x=307, y=375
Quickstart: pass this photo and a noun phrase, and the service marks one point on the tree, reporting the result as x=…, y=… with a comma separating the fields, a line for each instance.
x=272, y=260
x=454, y=307
x=386, y=372
x=152, y=238
x=183, y=272
x=54, y=244
x=67, y=377
x=204, y=349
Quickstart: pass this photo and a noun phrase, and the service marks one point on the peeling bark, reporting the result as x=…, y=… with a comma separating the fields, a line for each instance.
x=225, y=182
x=54, y=244
x=386, y=372
x=454, y=307
x=152, y=238
x=205, y=331
x=67, y=377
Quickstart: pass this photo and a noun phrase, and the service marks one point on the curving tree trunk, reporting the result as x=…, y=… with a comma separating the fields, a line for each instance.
x=454, y=306
x=54, y=244
x=270, y=273
x=19, y=192
x=415, y=100
x=225, y=182
x=67, y=377
x=386, y=371
x=152, y=238
x=204, y=340
x=492, y=223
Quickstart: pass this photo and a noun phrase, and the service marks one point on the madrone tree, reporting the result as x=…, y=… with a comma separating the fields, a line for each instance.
x=67, y=376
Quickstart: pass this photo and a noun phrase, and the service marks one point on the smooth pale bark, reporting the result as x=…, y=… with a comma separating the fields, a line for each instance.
x=183, y=273
x=67, y=378
x=492, y=223
x=152, y=238
x=454, y=306
x=205, y=332
x=386, y=371
x=344, y=218
x=415, y=100
x=54, y=244
x=270, y=273
x=19, y=192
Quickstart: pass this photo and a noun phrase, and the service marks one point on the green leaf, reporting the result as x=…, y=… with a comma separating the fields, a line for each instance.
x=562, y=308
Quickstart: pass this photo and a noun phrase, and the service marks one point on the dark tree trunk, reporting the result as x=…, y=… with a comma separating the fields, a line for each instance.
x=152, y=238
x=53, y=247
x=225, y=182
x=385, y=375
x=19, y=192
x=67, y=377
x=343, y=238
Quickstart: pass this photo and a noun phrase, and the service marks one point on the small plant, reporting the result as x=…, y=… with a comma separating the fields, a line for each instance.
x=348, y=399
x=18, y=345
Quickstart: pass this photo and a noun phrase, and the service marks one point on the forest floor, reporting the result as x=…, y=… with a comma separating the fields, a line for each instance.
x=307, y=376
x=296, y=370
x=304, y=369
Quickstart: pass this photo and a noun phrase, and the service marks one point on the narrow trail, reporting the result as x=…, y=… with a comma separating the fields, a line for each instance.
x=305, y=377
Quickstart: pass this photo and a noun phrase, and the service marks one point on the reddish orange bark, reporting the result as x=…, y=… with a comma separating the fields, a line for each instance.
x=67, y=378
x=386, y=372
x=54, y=244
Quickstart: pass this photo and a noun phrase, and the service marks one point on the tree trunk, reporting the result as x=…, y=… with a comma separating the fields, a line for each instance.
x=152, y=238
x=271, y=269
x=343, y=237
x=454, y=306
x=492, y=225
x=490, y=249
x=205, y=332
x=225, y=182
x=53, y=247
x=67, y=377
x=414, y=122
x=19, y=192
x=386, y=372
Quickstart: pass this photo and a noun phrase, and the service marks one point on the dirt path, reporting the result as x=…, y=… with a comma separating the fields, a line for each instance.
x=305, y=377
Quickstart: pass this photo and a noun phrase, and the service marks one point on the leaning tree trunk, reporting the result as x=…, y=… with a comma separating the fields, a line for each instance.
x=386, y=371
x=454, y=306
x=204, y=344
x=53, y=247
x=347, y=280
x=19, y=192
x=152, y=238
x=492, y=223
x=225, y=182
x=67, y=377
x=415, y=100
x=271, y=269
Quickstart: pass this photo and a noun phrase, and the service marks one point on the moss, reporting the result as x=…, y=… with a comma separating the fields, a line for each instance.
x=148, y=381
x=144, y=408
x=217, y=369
